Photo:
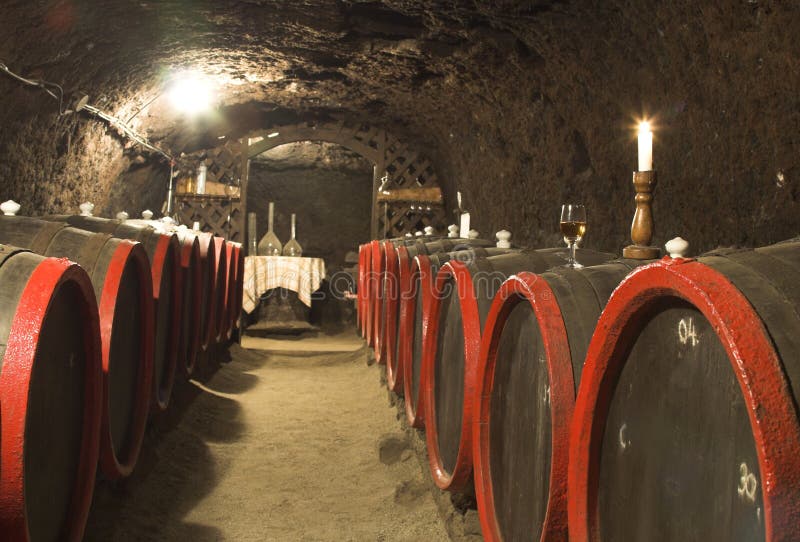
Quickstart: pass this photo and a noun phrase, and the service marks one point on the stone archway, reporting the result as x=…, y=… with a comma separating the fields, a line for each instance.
x=407, y=169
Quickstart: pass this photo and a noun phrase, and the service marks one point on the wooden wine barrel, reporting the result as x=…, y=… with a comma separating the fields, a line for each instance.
x=234, y=302
x=239, y=284
x=361, y=296
x=163, y=251
x=219, y=291
x=230, y=293
x=389, y=276
x=533, y=347
x=416, y=283
x=686, y=422
x=456, y=314
x=120, y=274
x=360, y=290
x=208, y=261
x=51, y=390
x=378, y=271
x=191, y=299
x=371, y=290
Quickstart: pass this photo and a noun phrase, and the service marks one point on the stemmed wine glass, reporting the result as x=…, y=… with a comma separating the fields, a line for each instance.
x=573, y=228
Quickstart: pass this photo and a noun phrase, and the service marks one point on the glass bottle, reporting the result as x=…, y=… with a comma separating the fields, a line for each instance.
x=252, y=238
x=270, y=245
x=293, y=248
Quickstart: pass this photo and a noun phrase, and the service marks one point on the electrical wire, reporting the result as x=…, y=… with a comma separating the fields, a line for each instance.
x=39, y=84
x=129, y=132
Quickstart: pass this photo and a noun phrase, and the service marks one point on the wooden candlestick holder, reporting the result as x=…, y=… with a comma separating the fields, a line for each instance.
x=644, y=182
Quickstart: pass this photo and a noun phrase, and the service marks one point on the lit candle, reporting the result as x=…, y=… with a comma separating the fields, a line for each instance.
x=645, y=147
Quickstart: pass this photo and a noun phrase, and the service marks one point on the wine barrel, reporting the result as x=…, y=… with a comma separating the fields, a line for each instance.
x=361, y=294
x=230, y=293
x=371, y=290
x=686, y=421
x=239, y=284
x=416, y=283
x=219, y=290
x=234, y=308
x=191, y=299
x=120, y=274
x=163, y=250
x=208, y=262
x=51, y=389
x=378, y=271
x=533, y=347
x=456, y=313
x=389, y=276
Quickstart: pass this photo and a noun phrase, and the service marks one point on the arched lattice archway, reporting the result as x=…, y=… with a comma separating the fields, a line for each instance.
x=413, y=202
x=413, y=182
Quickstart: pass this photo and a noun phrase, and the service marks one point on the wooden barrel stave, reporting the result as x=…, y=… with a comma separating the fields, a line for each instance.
x=120, y=274
x=388, y=278
x=724, y=465
x=208, y=259
x=416, y=279
x=219, y=289
x=532, y=351
x=163, y=251
x=239, y=282
x=408, y=283
x=191, y=303
x=51, y=389
x=450, y=460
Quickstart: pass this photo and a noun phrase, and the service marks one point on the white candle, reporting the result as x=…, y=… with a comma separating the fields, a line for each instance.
x=645, y=147
x=464, y=229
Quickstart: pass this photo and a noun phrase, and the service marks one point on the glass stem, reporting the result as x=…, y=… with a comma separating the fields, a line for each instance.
x=572, y=246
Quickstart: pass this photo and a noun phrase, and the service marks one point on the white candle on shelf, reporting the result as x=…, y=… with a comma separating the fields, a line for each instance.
x=464, y=228
x=645, y=147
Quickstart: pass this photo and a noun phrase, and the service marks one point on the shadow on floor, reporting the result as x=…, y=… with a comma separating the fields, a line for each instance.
x=176, y=468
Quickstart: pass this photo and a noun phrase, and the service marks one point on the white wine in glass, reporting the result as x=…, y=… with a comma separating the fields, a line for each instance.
x=573, y=228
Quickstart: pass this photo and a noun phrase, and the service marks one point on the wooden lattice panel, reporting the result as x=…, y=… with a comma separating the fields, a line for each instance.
x=219, y=215
x=400, y=219
x=212, y=212
x=406, y=167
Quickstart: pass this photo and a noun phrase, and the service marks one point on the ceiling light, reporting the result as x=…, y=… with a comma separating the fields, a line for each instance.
x=190, y=93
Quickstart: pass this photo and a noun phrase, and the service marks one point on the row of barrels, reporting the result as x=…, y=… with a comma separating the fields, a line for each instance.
x=624, y=400
x=96, y=318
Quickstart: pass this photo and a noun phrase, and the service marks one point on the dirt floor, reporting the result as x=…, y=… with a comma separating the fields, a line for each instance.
x=274, y=445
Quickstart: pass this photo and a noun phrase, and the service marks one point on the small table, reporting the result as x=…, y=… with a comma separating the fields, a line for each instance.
x=263, y=273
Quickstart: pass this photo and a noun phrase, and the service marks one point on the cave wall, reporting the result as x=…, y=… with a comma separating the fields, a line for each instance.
x=521, y=106
x=554, y=121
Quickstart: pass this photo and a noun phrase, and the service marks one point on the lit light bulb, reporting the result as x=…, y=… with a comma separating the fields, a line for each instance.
x=190, y=93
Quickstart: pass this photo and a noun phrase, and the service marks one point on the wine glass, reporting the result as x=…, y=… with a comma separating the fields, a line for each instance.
x=573, y=228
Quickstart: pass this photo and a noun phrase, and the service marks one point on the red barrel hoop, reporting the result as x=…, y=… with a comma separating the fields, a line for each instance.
x=753, y=359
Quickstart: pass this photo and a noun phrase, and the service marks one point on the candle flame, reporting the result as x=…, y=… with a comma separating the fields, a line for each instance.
x=644, y=127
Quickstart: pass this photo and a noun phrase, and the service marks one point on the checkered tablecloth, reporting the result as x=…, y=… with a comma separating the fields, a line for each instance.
x=262, y=273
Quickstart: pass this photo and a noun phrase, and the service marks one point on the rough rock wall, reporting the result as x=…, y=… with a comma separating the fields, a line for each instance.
x=521, y=105
x=554, y=122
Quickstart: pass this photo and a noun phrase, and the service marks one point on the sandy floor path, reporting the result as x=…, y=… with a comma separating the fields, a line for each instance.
x=274, y=446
